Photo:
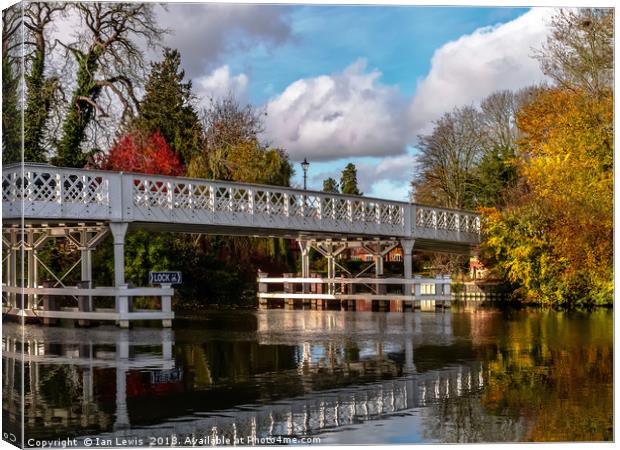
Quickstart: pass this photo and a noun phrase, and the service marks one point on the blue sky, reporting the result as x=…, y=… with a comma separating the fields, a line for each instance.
x=355, y=83
x=399, y=41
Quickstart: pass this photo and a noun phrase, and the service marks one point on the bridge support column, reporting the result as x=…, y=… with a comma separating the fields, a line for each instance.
x=119, y=230
x=87, y=245
x=330, y=250
x=407, y=245
x=33, y=241
x=378, y=249
x=85, y=302
x=378, y=265
x=11, y=265
x=30, y=264
x=166, y=306
x=304, y=246
x=35, y=273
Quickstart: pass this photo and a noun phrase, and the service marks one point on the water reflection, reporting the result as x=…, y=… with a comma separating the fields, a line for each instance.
x=450, y=377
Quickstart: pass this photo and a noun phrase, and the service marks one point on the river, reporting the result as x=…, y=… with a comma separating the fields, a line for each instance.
x=305, y=376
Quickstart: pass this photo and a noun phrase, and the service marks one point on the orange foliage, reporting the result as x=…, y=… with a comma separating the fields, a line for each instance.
x=556, y=237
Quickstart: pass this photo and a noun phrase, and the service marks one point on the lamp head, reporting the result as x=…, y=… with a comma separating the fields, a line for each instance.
x=305, y=164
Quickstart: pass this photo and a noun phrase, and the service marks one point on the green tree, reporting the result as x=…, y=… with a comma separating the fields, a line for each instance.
x=167, y=107
x=330, y=185
x=40, y=88
x=497, y=170
x=11, y=117
x=108, y=58
x=348, y=180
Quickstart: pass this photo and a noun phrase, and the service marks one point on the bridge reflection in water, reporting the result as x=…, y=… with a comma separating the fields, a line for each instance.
x=149, y=383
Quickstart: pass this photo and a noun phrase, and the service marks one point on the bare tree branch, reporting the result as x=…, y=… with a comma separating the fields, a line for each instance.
x=82, y=98
x=109, y=60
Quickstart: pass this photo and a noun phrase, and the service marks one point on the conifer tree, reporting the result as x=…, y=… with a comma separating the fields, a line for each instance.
x=330, y=185
x=167, y=107
x=348, y=180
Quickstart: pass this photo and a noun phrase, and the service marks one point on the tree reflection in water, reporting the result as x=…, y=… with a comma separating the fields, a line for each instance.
x=478, y=375
x=550, y=372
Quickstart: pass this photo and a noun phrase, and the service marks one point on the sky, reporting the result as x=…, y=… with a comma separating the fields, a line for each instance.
x=357, y=84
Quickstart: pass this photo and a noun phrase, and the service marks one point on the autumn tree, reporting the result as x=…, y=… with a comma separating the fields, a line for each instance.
x=232, y=149
x=330, y=185
x=348, y=180
x=109, y=62
x=226, y=125
x=138, y=152
x=167, y=106
x=555, y=240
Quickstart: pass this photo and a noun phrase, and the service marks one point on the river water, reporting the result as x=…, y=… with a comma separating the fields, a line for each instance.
x=306, y=376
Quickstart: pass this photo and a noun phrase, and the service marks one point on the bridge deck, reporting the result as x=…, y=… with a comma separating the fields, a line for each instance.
x=48, y=194
x=42, y=202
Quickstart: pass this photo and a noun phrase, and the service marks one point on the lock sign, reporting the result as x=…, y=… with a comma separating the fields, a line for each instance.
x=164, y=277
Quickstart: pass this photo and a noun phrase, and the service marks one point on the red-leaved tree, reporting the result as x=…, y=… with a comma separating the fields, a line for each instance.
x=135, y=152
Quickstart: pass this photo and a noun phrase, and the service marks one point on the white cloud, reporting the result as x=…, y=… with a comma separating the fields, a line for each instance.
x=468, y=69
x=391, y=173
x=349, y=113
x=219, y=84
x=205, y=33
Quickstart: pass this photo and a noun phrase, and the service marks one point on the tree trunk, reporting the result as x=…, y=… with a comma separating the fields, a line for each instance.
x=80, y=113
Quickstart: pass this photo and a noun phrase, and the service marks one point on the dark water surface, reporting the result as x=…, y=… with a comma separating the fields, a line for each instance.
x=479, y=375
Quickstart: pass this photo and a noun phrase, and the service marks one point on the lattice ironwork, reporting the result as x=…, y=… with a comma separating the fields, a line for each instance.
x=89, y=189
x=89, y=194
x=41, y=186
x=241, y=200
x=54, y=187
x=152, y=193
x=445, y=220
x=9, y=187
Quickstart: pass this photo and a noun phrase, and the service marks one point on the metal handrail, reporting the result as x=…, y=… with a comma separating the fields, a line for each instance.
x=127, y=196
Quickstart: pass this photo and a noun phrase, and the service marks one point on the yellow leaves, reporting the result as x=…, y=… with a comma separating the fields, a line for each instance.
x=555, y=239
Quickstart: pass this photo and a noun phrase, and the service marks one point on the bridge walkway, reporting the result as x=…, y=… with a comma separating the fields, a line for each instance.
x=42, y=202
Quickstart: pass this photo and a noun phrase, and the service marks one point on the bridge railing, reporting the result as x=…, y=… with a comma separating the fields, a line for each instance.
x=49, y=192
x=450, y=224
x=45, y=191
x=226, y=203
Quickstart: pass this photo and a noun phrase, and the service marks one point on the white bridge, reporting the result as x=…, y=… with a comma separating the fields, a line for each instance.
x=41, y=202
